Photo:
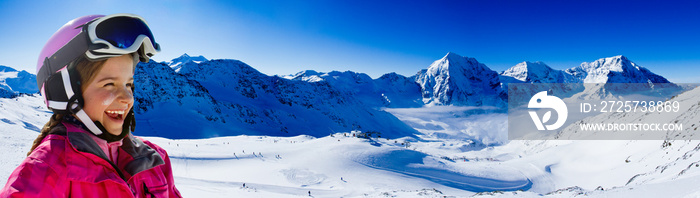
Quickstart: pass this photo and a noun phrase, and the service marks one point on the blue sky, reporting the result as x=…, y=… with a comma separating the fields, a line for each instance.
x=285, y=37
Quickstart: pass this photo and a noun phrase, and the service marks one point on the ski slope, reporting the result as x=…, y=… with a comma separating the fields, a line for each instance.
x=340, y=165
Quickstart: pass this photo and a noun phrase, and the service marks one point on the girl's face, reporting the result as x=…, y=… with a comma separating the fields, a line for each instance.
x=108, y=97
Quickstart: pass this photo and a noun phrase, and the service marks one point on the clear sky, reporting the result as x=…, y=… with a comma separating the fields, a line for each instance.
x=377, y=37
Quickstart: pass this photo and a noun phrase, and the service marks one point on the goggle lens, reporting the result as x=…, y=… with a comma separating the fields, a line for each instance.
x=122, y=32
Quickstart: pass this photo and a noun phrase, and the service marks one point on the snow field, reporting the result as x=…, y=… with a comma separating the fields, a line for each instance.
x=434, y=166
x=300, y=164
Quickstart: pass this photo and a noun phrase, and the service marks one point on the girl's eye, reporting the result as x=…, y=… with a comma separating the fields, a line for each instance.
x=108, y=84
x=130, y=84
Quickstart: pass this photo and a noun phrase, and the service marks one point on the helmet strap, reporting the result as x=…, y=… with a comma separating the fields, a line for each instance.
x=96, y=128
x=110, y=137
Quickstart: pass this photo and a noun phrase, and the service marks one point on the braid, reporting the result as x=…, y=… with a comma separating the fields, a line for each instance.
x=53, y=122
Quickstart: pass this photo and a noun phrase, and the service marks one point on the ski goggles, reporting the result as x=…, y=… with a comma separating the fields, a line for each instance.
x=119, y=34
x=106, y=37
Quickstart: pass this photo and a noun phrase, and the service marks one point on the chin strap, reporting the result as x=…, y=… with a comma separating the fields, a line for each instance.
x=100, y=131
x=127, y=127
x=113, y=138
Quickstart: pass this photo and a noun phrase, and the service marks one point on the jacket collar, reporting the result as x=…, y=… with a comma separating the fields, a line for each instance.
x=140, y=156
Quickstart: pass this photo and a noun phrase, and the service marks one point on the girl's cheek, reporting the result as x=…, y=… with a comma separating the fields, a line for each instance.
x=108, y=99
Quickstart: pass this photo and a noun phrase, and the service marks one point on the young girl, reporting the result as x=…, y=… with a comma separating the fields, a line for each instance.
x=85, y=73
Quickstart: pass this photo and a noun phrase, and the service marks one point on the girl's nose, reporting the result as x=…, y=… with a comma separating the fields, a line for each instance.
x=125, y=95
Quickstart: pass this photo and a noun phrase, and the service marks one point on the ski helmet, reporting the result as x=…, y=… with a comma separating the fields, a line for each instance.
x=92, y=38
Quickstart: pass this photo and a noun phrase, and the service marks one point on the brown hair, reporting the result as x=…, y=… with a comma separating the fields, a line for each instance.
x=87, y=70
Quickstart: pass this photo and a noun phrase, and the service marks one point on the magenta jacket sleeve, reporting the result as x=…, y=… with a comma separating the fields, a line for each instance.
x=34, y=178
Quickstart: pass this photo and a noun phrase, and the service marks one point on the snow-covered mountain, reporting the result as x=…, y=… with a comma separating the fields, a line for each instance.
x=458, y=80
x=463, y=81
x=399, y=91
x=538, y=76
x=596, y=80
x=228, y=97
x=616, y=69
x=619, y=69
x=177, y=63
x=13, y=82
x=389, y=90
x=537, y=72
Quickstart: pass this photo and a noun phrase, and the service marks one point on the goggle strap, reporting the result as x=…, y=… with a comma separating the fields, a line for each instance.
x=65, y=55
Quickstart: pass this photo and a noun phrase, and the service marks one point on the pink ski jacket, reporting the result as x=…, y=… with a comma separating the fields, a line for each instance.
x=68, y=163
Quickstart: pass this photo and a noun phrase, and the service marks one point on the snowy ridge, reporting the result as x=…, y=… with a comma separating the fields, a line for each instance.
x=389, y=90
x=537, y=72
x=463, y=81
x=228, y=97
x=399, y=91
x=459, y=80
x=177, y=63
x=13, y=82
x=308, y=76
x=616, y=69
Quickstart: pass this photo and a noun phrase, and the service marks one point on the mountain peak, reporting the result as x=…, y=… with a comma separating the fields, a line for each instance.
x=306, y=75
x=452, y=62
x=617, y=69
x=622, y=57
x=460, y=80
x=522, y=70
x=530, y=65
x=15, y=82
x=6, y=69
x=453, y=57
x=617, y=63
x=536, y=72
x=186, y=58
x=177, y=63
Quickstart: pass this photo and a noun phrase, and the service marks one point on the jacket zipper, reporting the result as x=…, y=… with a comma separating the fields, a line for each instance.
x=146, y=191
x=114, y=166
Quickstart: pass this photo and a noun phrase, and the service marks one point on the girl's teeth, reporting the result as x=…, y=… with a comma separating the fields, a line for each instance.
x=115, y=114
